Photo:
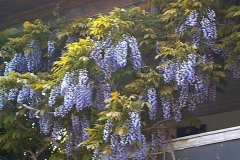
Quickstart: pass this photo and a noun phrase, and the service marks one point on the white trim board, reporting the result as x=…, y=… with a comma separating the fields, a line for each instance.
x=206, y=138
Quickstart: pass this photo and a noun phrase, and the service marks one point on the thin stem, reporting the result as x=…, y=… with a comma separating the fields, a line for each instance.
x=21, y=125
x=32, y=154
x=34, y=109
x=57, y=144
x=43, y=148
x=74, y=156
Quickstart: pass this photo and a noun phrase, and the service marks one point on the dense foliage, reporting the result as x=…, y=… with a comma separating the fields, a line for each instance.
x=82, y=89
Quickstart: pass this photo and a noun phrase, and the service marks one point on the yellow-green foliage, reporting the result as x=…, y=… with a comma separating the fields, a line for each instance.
x=152, y=31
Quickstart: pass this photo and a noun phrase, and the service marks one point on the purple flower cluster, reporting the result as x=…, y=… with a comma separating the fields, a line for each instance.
x=84, y=125
x=135, y=56
x=75, y=93
x=69, y=144
x=12, y=94
x=110, y=57
x=196, y=35
x=50, y=47
x=60, y=111
x=66, y=82
x=27, y=94
x=45, y=123
x=192, y=18
x=134, y=135
x=152, y=99
x=96, y=154
x=190, y=21
x=208, y=26
x=212, y=92
x=134, y=128
x=120, y=143
x=176, y=109
x=69, y=98
x=157, y=140
x=211, y=14
x=83, y=91
x=173, y=105
x=1, y=100
x=103, y=92
x=76, y=130
x=235, y=68
x=118, y=150
x=52, y=97
x=107, y=129
x=33, y=58
x=186, y=73
x=166, y=106
x=71, y=39
x=57, y=130
x=119, y=55
x=169, y=71
x=181, y=27
x=201, y=88
x=183, y=97
x=17, y=64
x=141, y=152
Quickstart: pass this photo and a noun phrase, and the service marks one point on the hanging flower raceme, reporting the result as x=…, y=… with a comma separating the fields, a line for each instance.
x=208, y=26
x=60, y=111
x=50, y=47
x=17, y=64
x=45, y=123
x=57, y=130
x=119, y=151
x=70, y=98
x=157, y=140
x=96, y=154
x=34, y=57
x=83, y=91
x=12, y=94
x=166, y=106
x=66, y=82
x=107, y=129
x=134, y=129
x=1, y=101
x=152, y=99
x=52, y=97
x=76, y=129
x=28, y=96
x=77, y=94
x=192, y=18
x=103, y=92
x=110, y=57
x=170, y=71
x=136, y=56
x=176, y=109
x=235, y=68
x=69, y=144
x=186, y=73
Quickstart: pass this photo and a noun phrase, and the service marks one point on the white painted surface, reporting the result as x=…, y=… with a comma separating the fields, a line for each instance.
x=207, y=138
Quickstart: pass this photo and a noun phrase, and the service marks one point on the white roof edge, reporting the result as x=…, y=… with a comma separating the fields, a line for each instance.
x=206, y=138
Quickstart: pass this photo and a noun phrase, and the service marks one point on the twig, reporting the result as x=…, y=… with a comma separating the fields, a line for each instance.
x=57, y=144
x=160, y=122
x=74, y=156
x=21, y=125
x=32, y=154
x=34, y=109
x=43, y=148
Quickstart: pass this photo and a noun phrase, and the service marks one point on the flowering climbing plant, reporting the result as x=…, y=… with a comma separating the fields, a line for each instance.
x=83, y=90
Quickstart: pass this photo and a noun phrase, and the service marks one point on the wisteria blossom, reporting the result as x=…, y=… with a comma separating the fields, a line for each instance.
x=45, y=123
x=152, y=99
